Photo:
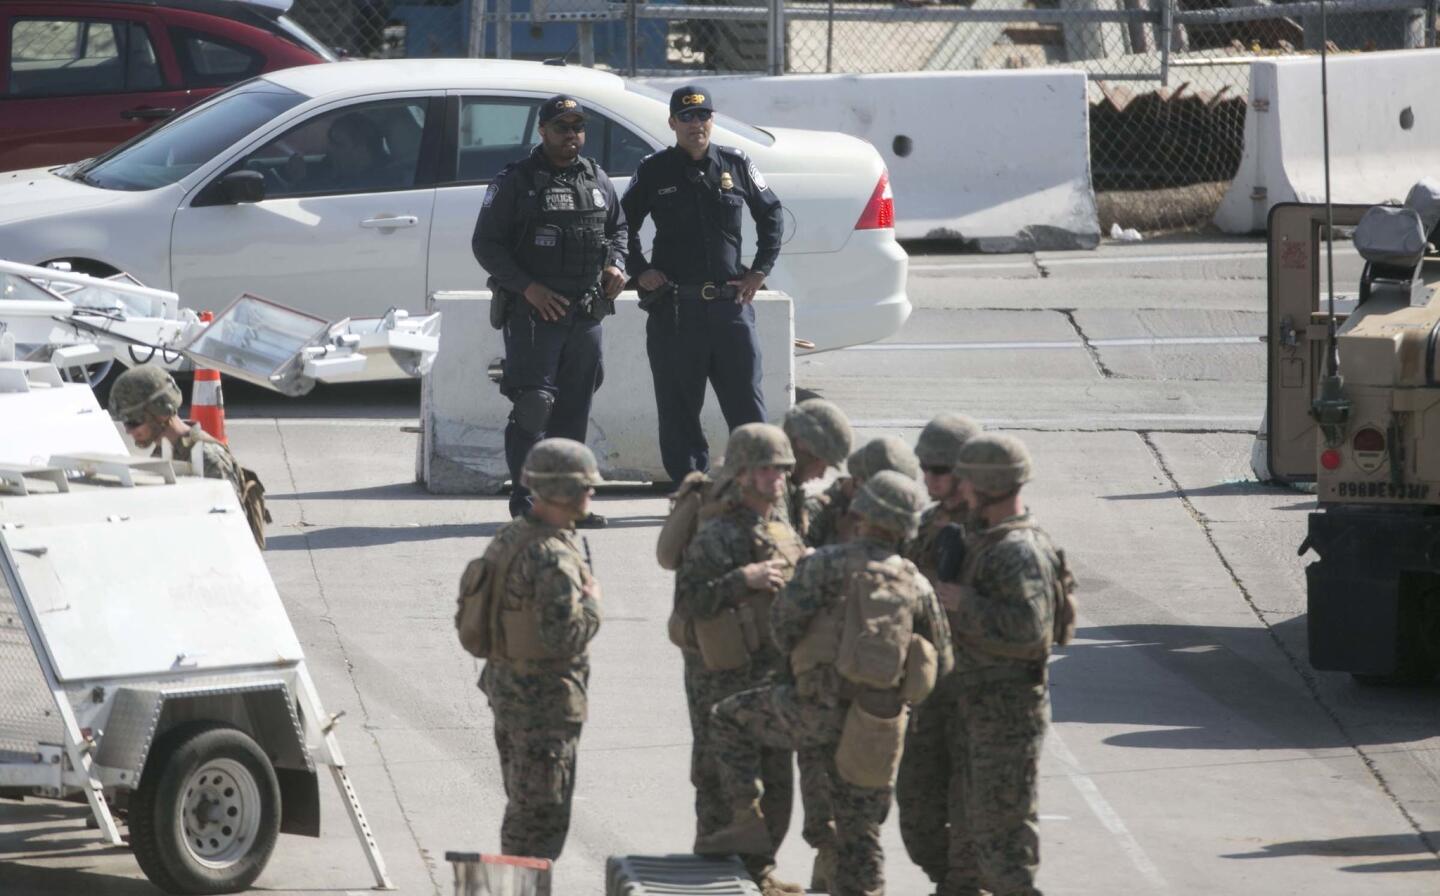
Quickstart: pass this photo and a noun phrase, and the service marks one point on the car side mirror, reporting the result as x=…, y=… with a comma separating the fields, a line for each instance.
x=243, y=186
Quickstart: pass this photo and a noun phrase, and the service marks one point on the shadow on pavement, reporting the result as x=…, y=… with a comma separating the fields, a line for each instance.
x=1388, y=845
x=1204, y=688
x=394, y=491
x=1219, y=490
x=36, y=880
x=320, y=539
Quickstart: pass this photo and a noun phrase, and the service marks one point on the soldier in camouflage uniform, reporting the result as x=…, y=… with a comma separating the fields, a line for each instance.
x=732, y=568
x=819, y=432
x=828, y=523
x=1003, y=619
x=147, y=400
x=537, y=681
x=811, y=713
x=821, y=435
x=922, y=788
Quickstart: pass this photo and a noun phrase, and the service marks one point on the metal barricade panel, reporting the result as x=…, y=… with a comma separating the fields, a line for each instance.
x=27, y=711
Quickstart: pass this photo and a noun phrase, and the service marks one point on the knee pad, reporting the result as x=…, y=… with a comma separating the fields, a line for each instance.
x=532, y=410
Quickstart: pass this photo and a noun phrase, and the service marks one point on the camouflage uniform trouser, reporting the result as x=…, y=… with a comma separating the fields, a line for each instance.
x=996, y=735
x=703, y=689
x=538, y=765
x=923, y=789
x=777, y=718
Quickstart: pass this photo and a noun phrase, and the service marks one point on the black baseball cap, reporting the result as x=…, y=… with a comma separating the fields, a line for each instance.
x=690, y=96
x=560, y=105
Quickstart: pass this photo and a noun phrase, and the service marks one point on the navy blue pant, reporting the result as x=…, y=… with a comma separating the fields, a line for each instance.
x=560, y=357
x=689, y=342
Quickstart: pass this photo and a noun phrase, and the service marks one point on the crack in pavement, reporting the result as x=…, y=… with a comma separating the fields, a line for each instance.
x=329, y=618
x=1090, y=348
x=1307, y=675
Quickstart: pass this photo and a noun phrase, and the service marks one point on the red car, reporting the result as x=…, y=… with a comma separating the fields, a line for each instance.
x=80, y=76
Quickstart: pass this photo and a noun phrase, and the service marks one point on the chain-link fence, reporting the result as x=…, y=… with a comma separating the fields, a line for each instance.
x=1169, y=79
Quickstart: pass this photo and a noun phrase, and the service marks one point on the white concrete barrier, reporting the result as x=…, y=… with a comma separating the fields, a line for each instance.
x=998, y=158
x=463, y=414
x=1384, y=133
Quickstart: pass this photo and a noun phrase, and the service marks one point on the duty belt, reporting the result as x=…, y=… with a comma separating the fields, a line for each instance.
x=707, y=292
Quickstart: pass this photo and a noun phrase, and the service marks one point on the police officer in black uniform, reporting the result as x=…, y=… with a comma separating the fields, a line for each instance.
x=698, y=294
x=552, y=236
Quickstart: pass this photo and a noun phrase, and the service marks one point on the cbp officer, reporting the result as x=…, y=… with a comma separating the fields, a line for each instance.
x=553, y=237
x=698, y=294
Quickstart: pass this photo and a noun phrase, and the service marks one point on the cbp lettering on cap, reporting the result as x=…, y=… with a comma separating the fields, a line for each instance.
x=561, y=106
x=691, y=103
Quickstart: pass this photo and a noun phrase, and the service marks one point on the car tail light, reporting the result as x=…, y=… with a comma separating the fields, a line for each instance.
x=879, y=212
x=1368, y=439
x=1330, y=459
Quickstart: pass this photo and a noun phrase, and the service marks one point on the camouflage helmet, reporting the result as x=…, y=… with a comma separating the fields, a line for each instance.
x=559, y=470
x=757, y=445
x=942, y=438
x=995, y=464
x=821, y=428
x=884, y=453
x=146, y=390
x=890, y=500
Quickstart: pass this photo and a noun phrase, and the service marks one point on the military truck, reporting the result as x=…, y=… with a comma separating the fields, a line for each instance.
x=1353, y=406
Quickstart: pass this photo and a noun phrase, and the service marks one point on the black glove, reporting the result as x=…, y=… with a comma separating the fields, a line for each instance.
x=950, y=553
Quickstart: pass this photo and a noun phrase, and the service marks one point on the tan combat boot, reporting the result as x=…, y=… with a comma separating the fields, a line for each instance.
x=745, y=835
x=823, y=874
x=770, y=885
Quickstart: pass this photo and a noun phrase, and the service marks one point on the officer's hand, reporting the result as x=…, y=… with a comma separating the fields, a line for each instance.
x=748, y=284
x=592, y=590
x=547, y=301
x=765, y=576
x=949, y=594
x=612, y=280
x=653, y=279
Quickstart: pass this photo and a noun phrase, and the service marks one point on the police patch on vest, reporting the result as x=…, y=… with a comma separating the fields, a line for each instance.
x=755, y=176
x=598, y=197
x=666, y=191
x=490, y=195
x=558, y=200
x=547, y=239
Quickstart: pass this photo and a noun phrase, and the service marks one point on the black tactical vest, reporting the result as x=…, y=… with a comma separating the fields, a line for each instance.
x=562, y=241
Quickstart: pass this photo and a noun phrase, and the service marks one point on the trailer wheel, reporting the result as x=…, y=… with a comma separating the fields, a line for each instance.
x=207, y=812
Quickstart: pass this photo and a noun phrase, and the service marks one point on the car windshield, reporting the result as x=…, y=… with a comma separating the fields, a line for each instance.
x=161, y=157
x=299, y=35
x=733, y=125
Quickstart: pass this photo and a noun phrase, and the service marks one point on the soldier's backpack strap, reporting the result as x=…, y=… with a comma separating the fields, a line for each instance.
x=482, y=594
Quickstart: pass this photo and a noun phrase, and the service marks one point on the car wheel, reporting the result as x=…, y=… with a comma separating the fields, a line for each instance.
x=207, y=812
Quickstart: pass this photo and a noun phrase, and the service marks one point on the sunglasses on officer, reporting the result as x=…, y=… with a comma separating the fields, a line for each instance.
x=938, y=470
x=567, y=127
x=689, y=115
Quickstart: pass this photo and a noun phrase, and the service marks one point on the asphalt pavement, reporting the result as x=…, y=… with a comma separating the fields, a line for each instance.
x=1193, y=749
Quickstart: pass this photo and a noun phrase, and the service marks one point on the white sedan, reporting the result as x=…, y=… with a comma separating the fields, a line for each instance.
x=182, y=208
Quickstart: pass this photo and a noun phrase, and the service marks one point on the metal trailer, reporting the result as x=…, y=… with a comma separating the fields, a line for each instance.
x=92, y=323
x=147, y=664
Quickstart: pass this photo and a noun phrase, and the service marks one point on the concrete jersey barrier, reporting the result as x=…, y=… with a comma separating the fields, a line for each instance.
x=1001, y=159
x=1384, y=134
x=463, y=414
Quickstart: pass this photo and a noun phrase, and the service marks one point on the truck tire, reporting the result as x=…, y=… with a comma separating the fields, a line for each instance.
x=207, y=812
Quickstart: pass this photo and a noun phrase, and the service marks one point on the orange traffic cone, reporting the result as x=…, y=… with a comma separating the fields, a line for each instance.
x=207, y=402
